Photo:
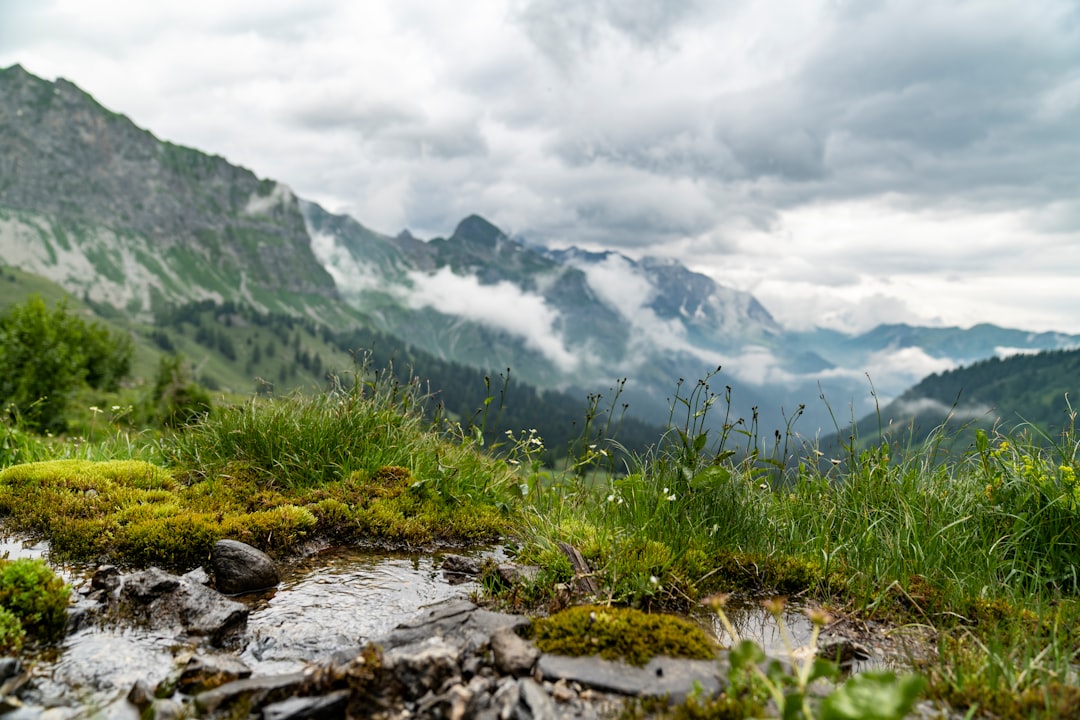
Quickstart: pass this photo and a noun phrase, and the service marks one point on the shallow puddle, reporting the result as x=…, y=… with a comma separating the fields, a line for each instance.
x=334, y=600
x=340, y=599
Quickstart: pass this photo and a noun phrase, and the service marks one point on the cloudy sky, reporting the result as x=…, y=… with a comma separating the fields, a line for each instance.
x=848, y=162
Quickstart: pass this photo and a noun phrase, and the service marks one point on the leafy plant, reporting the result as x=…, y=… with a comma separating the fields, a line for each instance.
x=863, y=696
x=45, y=354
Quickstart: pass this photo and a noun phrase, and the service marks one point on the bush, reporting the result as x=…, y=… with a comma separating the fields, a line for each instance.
x=45, y=354
x=12, y=633
x=35, y=595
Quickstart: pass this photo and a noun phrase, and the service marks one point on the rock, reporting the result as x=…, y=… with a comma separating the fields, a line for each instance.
x=459, y=622
x=512, y=654
x=141, y=694
x=423, y=666
x=240, y=568
x=162, y=599
x=460, y=567
x=205, y=672
x=167, y=709
x=9, y=667
x=534, y=704
x=148, y=585
x=844, y=652
x=198, y=575
x=661, y=676
x=513, y=574
x=256, y=691
x=322, y=707
x=106, y=578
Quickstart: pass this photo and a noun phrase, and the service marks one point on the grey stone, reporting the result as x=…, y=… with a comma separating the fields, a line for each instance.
x=423, y=666
x=256, y=690
x=240, y=568
x=106, y=578
x=461, y=567
x=535, y=704
x=141, y=694
x=9, y=667
x=168, y=600
x=661, y=676
x=513, y=574
x=512, y=654
x=459, y=622
x=167, y=709
x=321, y=707
x=198, y=575
x=506, y=697
x=205, y=672
x=148, y=585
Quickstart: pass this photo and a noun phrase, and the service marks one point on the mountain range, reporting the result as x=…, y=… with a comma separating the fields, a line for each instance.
x=127, y=221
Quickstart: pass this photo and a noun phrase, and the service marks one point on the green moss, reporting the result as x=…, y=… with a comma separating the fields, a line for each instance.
x=12, y=633
x=35, y=595
x=621, y=633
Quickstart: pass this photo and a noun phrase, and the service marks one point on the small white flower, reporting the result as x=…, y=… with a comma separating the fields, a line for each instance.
x=95, y=409
x=654, y=580
x=611, y=498
x=115, y=408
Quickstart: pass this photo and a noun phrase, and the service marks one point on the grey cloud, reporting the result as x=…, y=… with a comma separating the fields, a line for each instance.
x=564, y=31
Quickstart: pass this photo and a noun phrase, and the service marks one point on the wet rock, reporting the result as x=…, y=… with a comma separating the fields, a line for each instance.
x=239, y=568
x=460, y=623
x=661, y=676
x=162, y=599
x=149, y=585
x=256, y=691
x=9, y=668
x=106, y=578
x=324, y=707
x=461, y=567
x=512, y=654
x=198, y=575
x=205, y=672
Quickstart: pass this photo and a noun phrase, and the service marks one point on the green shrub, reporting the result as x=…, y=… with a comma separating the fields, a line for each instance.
x=30, y=590
x=12, y=633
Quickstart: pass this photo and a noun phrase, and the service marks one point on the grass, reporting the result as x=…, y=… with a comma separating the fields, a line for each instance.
x=984, y=548
x=356, y=464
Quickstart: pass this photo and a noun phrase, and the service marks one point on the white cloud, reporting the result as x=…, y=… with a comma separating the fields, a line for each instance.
x=502, y=306
x=864, y=162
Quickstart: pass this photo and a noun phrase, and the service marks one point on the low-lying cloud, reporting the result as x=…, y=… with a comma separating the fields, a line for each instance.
x=502, y=306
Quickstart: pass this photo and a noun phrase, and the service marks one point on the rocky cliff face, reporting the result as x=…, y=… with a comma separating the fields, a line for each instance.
x=92, y=201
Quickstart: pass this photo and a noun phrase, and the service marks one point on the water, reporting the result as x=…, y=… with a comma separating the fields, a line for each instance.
x=340, y=599
x=335, y=600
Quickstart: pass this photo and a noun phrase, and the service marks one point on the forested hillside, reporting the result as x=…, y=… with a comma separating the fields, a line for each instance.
x=1035, y=393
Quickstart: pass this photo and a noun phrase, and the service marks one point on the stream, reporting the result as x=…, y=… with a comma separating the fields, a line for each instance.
x=333, y=600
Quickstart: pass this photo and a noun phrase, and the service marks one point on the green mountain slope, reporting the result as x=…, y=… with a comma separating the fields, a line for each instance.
x=108, y=211
x=1033, y=392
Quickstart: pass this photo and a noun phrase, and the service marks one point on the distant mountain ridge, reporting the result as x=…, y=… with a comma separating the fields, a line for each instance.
x=113, y=214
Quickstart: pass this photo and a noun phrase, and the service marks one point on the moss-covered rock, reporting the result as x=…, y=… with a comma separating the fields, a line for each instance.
x=621, y=633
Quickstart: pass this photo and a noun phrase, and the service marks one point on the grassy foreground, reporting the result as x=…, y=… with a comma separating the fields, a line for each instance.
x=985, y=551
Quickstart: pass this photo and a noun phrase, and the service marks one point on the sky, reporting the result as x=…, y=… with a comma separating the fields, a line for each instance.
x=849, y=163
